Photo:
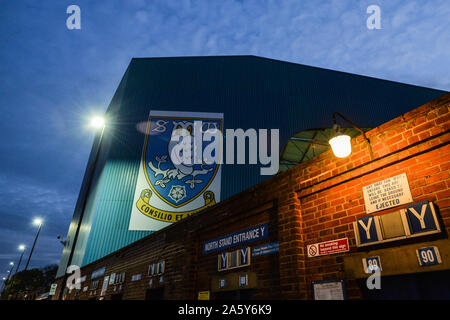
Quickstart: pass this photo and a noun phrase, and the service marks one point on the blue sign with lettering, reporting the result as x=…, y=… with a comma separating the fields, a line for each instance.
x=428, y=256
x=420, y=217
x=152, y=269
x=98, y=273
x=265, y=249
x=223, y=261
x=367, y=229
x=244, y=256
x=372, y=264
x=237, y=238
x=243, y=280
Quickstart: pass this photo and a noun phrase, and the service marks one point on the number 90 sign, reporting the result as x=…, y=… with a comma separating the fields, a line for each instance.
x=428, y=256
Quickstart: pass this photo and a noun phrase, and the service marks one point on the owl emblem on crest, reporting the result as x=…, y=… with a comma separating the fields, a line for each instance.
x=170, y=170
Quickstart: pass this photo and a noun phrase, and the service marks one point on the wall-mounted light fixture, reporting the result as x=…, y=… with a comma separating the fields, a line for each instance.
x=341, y=143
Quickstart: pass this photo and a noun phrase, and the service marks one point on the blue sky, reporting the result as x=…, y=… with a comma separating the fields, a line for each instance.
x=52, y=78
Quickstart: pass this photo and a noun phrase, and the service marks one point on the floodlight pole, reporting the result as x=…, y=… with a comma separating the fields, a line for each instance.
x=34, y=243
x=10, y=271
x=20, y=260
x=7, y=279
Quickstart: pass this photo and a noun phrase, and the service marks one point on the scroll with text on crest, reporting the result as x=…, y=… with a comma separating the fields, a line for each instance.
x=170, y=189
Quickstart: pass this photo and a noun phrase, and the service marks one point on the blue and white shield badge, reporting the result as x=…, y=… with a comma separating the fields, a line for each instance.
x=179, y=172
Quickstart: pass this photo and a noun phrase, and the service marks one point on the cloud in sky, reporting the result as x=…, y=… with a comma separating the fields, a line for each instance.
x=332, y=34
x=52, y=77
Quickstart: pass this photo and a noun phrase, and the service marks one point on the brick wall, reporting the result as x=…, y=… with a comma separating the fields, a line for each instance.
x=330, y=189
x=313, y=202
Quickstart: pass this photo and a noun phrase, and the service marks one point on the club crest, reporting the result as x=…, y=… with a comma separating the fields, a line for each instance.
x=180, y=182
x=178, y=179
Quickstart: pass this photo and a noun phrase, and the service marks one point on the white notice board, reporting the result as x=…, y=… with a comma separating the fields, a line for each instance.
x=387, y=193
x=329, y=290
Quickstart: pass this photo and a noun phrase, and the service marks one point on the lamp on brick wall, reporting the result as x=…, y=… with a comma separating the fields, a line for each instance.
x=341, y=143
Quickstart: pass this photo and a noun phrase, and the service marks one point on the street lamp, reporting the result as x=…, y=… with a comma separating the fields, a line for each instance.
x=37, y=222
x=21, y=248
x=99, y=124
x=9, y=275
x=340, y=143
x=10, y=271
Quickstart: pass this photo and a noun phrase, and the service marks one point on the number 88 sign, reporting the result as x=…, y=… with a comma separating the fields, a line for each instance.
x=372, y=264
x=428, y=256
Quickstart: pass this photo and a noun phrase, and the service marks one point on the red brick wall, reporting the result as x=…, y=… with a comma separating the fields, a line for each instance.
x=313, y=202
x=188, y=270
x=266, y=267
x=330, y=189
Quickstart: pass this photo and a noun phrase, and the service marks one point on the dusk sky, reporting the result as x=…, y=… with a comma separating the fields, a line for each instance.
x=53, y=78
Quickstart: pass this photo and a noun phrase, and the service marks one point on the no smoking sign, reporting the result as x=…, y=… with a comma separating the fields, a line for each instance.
x=312, y=250
x=327, y=247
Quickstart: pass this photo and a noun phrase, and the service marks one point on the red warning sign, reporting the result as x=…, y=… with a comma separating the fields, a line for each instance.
x=328, y=247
